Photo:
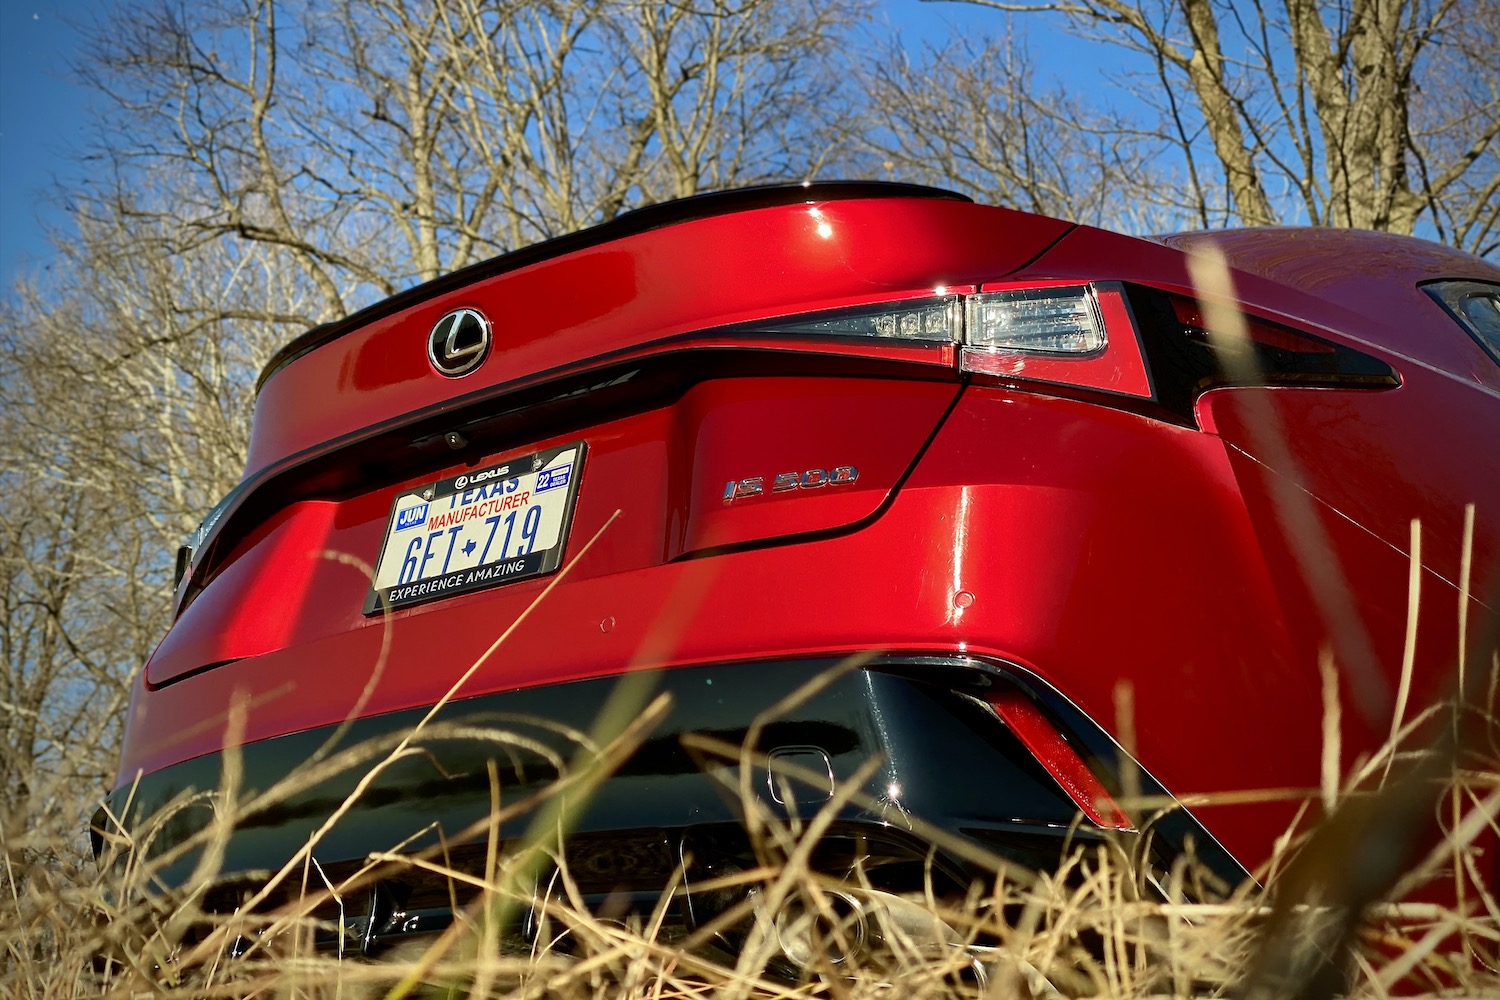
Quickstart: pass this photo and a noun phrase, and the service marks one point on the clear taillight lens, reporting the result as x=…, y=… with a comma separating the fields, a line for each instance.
x=1080, y=336
x=1039, y=320
x=931, y=320
x=1062, y=321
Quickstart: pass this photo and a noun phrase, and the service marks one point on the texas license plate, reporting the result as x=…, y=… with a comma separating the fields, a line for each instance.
x=493, y=525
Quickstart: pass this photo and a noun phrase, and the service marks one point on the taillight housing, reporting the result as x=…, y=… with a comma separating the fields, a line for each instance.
x=1143, y=348
x=1075, y=336
x=1187, y=358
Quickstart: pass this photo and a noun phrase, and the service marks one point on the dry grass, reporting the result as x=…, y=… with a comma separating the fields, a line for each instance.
x=1095, y=927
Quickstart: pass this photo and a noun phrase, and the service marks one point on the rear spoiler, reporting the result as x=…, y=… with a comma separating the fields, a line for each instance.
x=640, y=220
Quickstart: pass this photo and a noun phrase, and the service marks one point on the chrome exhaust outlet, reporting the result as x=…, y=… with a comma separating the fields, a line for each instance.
x=833, y=933
x=851, y=923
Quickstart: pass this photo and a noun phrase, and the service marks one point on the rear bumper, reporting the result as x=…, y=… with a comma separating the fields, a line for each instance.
x=1085, y=545
x=932, y=755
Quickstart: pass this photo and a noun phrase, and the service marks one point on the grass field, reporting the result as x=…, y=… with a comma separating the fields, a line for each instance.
x=1098, y=926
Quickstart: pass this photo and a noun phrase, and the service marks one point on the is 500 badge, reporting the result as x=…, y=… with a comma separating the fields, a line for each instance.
x=786, y=482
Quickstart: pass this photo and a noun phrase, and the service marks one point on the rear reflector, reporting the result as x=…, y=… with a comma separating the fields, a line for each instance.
x=1053, y=751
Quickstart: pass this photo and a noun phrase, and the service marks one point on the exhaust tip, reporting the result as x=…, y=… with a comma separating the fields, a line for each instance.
x=829, y=932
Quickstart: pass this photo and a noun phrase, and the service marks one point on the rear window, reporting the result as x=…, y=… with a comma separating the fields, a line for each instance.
x=1476, y=307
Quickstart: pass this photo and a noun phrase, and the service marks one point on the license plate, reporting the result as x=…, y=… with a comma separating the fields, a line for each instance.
x=494, y=525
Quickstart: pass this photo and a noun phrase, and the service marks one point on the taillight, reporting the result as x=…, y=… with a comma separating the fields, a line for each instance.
x=1187, y=358
x=1150, y=349
x=1078, y=336
x=1065, y=335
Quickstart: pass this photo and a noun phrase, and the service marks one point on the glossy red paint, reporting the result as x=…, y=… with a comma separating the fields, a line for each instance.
x=1067, y=528
x=652, y=289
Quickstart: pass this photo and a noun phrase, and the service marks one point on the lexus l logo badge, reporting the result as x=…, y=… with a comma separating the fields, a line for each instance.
x=459, y=342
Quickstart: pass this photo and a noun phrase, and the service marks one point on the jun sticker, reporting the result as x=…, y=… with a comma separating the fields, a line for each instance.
x=411, y=517
x=551, y=479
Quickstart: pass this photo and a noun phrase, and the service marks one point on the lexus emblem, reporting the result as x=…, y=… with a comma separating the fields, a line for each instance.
x=459, y=342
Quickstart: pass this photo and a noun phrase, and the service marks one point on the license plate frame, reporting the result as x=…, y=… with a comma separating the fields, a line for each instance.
x=477, y=530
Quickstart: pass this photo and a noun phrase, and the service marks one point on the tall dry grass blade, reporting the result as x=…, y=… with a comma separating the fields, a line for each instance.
x=548, y=831
x=1384, y=831
x=28, y=946
x=1296, y=508
x=1130, y=772
x=1332, y=732
x=377, y=670
x=1465, y=571
x=526, y=612
x=403, y=747
x=1409, y=647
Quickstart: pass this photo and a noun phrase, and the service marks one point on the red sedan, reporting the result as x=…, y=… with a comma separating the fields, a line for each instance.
x=1088, y=508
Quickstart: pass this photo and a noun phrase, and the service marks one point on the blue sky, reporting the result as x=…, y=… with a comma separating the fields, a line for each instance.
x=43, y=118
x=44, y=108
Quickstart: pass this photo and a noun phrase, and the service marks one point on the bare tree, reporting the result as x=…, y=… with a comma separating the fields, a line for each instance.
x=377, y=142
x=124, y=399
x=971, y=115
x=1348, y=113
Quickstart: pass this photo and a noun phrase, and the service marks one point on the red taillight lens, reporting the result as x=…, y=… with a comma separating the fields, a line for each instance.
x=1186, y=361
x=1268, y=336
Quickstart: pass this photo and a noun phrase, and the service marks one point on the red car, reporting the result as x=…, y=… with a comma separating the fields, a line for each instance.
x=1081, y=537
